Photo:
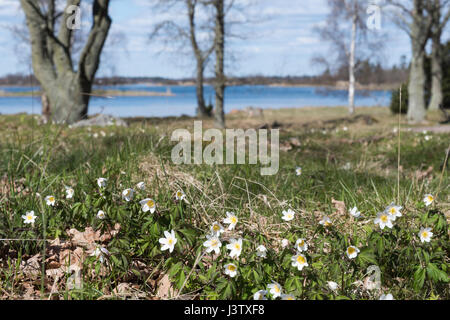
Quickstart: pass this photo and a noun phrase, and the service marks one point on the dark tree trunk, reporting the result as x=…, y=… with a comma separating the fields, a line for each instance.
x=200, y=58
x=201, y=106
x=67, y=90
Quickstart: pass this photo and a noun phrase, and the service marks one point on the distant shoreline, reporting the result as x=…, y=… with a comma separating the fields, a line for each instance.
x=168, y=93
x=95, y=93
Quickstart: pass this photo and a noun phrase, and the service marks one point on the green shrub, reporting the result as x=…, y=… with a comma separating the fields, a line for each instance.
x=395, y=100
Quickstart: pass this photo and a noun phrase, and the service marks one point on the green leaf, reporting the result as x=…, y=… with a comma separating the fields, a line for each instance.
x=367, y=256
x=181, y=279
x=419, y=278
x=435, y=274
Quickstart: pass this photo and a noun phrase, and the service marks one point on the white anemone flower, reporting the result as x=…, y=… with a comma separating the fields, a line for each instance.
x=384, y=220
x=326, y=221
x=428, y=200
x=284, y=243
x=127, y=194
x=231, y=270
x=288, y=215
x=301, y=245
x=425, y=235
x=275, y=289
x=332, y=285
x=235, y=247
x=352, y=252
x=50, y=200
x=101, y=182
x=388, y=296
x=287, y=297
x=299, y=262
x=354, y=212
x=100, y=253
x=169, y=241
x=148, y=205
x=212, y=244
x=260, y=295
x=69, y=192
x=261, y=251
x=180, y=195
x=231, y=219
x=217, y=229
x=298, y=171
x=394, y=211
x=141, y=185
x=101, y=214
x=29, y=217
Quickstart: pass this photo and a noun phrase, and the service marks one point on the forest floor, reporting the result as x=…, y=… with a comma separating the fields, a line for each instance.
x=345, y=162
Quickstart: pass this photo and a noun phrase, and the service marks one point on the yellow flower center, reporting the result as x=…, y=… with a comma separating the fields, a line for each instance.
x=179, y=194
x=351, y=250
x=237, y=246
x=277, y=289
x=214, y=243
x=301, y=243
x=30, y=217
x=233, y=220
x=425, y=234
x=384, y=218
x=392, y=210
x=170, y=241
x=231, y=267
x=51, y=199
x=301, y=260
x=430, y=198
x=289, y=298
x=150, y=203
x=216, y=227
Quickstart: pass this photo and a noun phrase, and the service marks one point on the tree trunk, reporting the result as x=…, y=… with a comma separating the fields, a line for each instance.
x=219, y=114
x=201, y=107
x=200, y=59
x=436, y=62
x=416, y=88
x=67, y=91
x=68, y=98
x=46, y=114
x=351, y=87
x=436, y=74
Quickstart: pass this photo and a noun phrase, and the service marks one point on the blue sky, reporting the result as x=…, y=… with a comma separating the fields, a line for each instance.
x=282, y=43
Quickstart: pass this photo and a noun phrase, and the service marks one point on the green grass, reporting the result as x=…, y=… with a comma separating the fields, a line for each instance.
x=336, y=165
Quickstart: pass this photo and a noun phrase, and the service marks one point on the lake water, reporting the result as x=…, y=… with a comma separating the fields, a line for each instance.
x=184, y=101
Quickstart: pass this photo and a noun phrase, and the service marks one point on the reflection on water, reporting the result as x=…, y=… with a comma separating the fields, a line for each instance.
x=184, y=100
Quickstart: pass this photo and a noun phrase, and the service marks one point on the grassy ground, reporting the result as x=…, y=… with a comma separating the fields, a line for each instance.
x=345, y=162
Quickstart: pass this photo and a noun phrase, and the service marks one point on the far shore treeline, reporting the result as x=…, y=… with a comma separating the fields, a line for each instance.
x=370, y=76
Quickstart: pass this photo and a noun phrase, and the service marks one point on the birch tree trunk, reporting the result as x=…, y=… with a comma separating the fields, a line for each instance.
x=220, y=81
x=67, y=90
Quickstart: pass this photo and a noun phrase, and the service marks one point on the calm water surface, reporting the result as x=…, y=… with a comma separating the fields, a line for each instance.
x=184, y=101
